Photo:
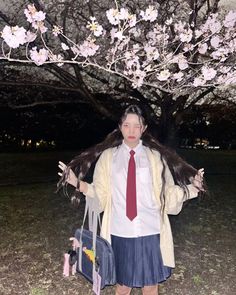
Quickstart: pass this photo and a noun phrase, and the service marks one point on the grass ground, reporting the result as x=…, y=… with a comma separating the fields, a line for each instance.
x=35, y=224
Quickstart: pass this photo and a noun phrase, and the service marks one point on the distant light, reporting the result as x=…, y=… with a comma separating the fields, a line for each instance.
x=44, y=143
x=213, y=147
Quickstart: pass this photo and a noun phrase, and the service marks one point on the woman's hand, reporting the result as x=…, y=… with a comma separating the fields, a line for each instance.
x=71, y=178
x=197, y=181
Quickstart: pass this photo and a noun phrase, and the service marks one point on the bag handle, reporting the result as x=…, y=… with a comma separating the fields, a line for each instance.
x=91, y=209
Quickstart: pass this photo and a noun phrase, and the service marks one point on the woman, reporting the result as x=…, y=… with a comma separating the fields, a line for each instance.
x=138, y=182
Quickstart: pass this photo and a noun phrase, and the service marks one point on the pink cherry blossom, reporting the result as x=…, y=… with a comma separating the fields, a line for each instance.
x=57, y=58
x=113, y=16
x=33, y=15
x=39, y=25
x=221, y=79
x=199, y=82
x=128, y=55
x=29, y=12
x=132, y=20
x=88, y=48
x=30, y=37
x=230, y=78
x=14, y=36
x=112, y=34
x=123, y=44
x=39, y=16
x=169, y=21
x=39, y=56
x=215, y=27
x=179, y=26
x=163, y=75
x=232, y=46
x=220, y=53
x=136, y=47
x=224, y=69
x=212, y=24
x=136, y=32
x=186, y=36
x=230, y=19
x=202, y=48
x=215, y=41
x=119, y=35
x=133, y=62
x=64, y=46
x=188, y=47
x=138, y=78
x=198, y=33
x=150, y=14
x=182, y=62
x=152, y=52
x=178, y=76
x=123, y=14
x=132, y=46
x=95, y=27
x=208, y=73
x=57, y=30
x=157, y=36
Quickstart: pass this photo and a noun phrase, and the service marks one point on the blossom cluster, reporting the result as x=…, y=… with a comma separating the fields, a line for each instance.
x=36, y=18
x=14, y=36
x=172, y=55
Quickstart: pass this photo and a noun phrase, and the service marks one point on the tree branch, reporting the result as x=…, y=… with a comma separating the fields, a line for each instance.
x=196, y=99
x=36, y=84
x=34, y=104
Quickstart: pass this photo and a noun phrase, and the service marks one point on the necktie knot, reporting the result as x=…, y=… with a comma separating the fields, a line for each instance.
x=132, y=152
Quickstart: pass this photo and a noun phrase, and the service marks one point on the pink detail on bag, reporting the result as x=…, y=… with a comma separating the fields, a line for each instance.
x=73, y=269
x=75, y=243
x=66, y=267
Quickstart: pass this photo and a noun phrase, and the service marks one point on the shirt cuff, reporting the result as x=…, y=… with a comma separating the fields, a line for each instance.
x=90, y=192
x=193, y=191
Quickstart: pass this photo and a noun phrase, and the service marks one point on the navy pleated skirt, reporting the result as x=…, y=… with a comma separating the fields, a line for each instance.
x=138, y=261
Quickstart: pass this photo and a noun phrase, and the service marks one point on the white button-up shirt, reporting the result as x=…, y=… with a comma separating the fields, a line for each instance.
x=147, y=221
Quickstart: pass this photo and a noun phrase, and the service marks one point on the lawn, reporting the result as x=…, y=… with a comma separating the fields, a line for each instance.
x=35, y=224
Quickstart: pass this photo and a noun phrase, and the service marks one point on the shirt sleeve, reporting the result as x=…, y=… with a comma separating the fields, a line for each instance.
x=175, y=195
x=99, y=188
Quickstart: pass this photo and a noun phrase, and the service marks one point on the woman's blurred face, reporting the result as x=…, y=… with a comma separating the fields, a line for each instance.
x=132, y=129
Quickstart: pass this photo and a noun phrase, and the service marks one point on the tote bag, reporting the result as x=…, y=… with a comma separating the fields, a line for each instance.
x=94, y=252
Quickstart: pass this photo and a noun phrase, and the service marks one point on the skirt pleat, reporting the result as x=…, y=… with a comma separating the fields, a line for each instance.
x=138, y=261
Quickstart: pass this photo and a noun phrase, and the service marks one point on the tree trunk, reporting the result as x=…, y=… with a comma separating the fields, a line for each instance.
x=168, y=129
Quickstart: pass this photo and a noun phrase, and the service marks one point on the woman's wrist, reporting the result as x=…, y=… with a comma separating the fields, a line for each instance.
x=83, y=188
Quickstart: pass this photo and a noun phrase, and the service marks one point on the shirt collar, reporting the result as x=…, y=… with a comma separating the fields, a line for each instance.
x=136, y=149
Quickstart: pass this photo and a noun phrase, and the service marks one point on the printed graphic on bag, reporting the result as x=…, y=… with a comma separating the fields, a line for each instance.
x=89, y=254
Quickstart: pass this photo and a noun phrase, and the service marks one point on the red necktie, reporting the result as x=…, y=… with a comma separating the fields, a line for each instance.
x=131, y=205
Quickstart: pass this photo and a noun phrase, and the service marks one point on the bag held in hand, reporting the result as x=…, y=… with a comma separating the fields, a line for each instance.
x=102, y=259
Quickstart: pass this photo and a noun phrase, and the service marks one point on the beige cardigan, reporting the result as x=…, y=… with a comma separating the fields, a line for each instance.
x=174, y=198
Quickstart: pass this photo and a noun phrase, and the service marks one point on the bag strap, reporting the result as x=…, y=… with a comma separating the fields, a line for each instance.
x=93, y=206
x=91, y=209
x=80, y=240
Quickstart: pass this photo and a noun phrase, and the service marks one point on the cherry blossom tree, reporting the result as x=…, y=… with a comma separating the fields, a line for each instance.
x=166, y=61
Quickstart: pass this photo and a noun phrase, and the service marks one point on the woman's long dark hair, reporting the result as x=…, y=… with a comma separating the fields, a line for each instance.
x=181, y=171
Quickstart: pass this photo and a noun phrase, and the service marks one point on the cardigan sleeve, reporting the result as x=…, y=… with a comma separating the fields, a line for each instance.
x=99, y=188
x=174, y=194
